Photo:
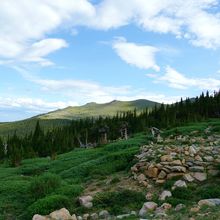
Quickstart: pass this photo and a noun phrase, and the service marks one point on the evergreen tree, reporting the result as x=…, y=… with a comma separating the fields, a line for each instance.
x=2, y=150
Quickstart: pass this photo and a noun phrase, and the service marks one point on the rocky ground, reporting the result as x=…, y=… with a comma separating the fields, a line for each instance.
x=179, y=162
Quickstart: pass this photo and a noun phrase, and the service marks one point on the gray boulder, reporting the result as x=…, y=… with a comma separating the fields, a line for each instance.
x=104, y=214
x=148, y=206
x=209, y=202
x=86, y=201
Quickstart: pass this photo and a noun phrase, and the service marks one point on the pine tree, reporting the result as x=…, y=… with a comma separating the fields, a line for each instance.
x=2, y=150
x=15, y=150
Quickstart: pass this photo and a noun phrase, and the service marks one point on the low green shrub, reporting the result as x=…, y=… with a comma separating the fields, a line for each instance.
x=47, y=205
x=182, y=193
x=209, y=192
x=71, y=191
x=43, y=185
x=115, y=180
x=175, y=201
x=119, y=202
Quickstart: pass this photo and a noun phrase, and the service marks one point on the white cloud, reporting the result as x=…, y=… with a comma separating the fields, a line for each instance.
x=191, y=19
x=84, y=91
x=37, y=51
x=141, y=56
x=32, y=104
x=177, y=80
x=25, y=25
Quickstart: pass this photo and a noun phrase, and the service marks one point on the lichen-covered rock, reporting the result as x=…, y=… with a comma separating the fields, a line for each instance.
x=209, y=202
x=148, y=206
x=152, y=171
x=188, y=177
x=162, y=175
x=86, y=201
x=61, y=214
x=94, y=216
x=200, y=176
x=104, y=214
x=166, y=158
x=165, y=194
x=180, y=207
x=166, y=206
x=149, y=196
x=39, y=217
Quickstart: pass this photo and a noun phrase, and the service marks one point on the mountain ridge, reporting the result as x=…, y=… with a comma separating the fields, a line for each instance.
x=93, y=109
x=64, y=116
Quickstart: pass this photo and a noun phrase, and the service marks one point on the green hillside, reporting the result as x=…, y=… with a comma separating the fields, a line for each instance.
x=63, y=116
x=94, y=110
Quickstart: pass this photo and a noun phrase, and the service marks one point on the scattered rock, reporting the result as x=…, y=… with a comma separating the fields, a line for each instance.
x=196, y=169
x=94, y=216
x=178, y=169
x=123, y=216
x=160, y=181
x=160, y=213
x=195, y=209
x=165, y=194
x=86, y=201
x=166, y=206
x=197, y=157
x=149, y=196
x=162, y=175
x=152, y=171
x=209, y=158
x=104, y=214
x=200, y=176
x=39, y=217
x=74, y=217
x=148, y=206
x=192, y=150
x=179, y=184
x=141, y=178
x=61, y=214
x=188, y=178
x=166, y=158
x=209, y=202
x=176, y=163
x=180, y=207
x=85, y=216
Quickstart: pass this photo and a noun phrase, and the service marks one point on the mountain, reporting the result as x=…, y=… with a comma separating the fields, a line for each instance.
x=64, y=116
x=94, y=110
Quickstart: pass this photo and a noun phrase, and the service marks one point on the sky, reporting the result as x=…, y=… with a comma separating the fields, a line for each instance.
x=55, y=54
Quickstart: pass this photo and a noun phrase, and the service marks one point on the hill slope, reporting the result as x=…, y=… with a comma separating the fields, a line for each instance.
x=63, y=116
x=94, y=110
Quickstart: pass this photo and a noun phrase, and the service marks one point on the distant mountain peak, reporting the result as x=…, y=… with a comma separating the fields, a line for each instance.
x=93, y=109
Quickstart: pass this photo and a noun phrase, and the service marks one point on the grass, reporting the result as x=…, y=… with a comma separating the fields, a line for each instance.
x=39, y=184
x=123, y=201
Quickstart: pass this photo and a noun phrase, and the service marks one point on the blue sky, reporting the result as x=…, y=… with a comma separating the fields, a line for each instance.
x=71, y=52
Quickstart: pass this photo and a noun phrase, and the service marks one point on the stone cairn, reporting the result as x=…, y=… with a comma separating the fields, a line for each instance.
x=192, y=158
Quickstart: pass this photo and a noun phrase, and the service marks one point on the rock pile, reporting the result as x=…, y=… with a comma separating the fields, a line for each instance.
x=63, y=214
x=192, y=159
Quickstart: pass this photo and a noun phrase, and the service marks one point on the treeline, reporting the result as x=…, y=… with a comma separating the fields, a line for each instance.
x=92, y=132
